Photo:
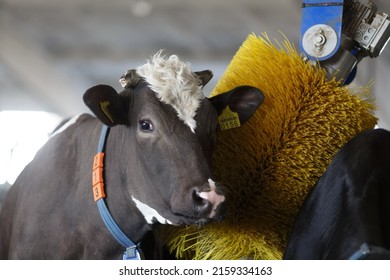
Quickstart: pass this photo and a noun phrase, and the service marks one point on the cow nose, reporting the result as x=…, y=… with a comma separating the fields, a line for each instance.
x=202, y=205
x=208, y=202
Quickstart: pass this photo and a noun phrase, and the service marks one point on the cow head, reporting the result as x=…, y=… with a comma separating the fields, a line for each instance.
x=168, y=128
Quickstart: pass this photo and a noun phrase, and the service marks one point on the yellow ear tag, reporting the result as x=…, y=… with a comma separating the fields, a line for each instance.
x=228, y=119
x=104, y=106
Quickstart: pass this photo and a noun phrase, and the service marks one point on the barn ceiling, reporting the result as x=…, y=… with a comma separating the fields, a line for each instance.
x=51, y=51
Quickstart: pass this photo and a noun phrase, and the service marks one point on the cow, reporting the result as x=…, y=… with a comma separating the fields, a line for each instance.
x=157, y=166
x=3, y=190
x=347, y=215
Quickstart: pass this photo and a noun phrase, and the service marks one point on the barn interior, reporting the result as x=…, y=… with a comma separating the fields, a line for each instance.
x=52, y=51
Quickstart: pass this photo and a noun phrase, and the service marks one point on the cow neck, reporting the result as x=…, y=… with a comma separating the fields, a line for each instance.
x=132, y=251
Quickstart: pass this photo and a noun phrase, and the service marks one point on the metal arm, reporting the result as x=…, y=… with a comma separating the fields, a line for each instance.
x=339, y=34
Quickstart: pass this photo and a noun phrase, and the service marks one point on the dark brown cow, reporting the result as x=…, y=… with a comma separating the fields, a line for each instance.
x=156, y=166
x=347, y=214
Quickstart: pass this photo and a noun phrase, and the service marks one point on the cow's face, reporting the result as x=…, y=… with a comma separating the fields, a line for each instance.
x=170, y=136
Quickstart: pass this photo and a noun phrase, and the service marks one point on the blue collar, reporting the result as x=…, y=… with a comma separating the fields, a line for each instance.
x=132, y=251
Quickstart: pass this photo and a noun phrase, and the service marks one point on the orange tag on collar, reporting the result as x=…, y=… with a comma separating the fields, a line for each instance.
x=228, y=119
x=98, y=191
x=97, y=177
x=98, y=161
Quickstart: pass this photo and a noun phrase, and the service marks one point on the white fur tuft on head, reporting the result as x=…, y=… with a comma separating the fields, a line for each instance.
x=174, y=84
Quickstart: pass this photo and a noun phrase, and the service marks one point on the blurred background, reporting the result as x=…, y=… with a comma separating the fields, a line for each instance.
x=51, y=51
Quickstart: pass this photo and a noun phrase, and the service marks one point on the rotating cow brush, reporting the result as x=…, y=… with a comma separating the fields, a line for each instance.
x=270, y=163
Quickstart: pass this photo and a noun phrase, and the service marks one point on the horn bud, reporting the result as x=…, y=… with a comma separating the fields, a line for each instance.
x=130, y=79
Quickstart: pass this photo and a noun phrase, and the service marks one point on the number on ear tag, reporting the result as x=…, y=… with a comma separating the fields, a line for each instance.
x=228, y=119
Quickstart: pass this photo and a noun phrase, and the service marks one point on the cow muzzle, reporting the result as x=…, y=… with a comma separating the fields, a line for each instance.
x=199, y=205
x=208, y=201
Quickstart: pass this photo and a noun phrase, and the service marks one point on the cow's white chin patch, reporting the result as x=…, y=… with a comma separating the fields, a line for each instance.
x=151, y=215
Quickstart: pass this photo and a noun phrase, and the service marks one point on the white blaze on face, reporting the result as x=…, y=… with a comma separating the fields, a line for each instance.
x=214, y=198
x=150, y=214
x=174, y=84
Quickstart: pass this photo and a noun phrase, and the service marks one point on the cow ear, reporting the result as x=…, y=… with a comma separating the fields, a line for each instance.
x=236, y=106
x=107, y=105
x=204, y=76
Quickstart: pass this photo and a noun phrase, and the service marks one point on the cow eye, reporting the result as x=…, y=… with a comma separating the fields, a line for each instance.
x=146, y=126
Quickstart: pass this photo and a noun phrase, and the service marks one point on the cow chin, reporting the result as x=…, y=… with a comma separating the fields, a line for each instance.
x=199, y=222
x=195, y=216
x=182, y=220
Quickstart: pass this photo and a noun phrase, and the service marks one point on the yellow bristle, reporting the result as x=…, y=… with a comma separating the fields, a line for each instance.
x=269, y=164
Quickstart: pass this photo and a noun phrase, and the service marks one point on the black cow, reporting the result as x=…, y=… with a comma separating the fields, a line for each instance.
x=156, y=166
x=3, y=190
x=347, y=213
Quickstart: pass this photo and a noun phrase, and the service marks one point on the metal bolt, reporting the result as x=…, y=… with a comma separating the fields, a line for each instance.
x=319, y=40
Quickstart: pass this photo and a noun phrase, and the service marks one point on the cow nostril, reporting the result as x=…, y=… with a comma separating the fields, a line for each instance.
x=200, y=202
